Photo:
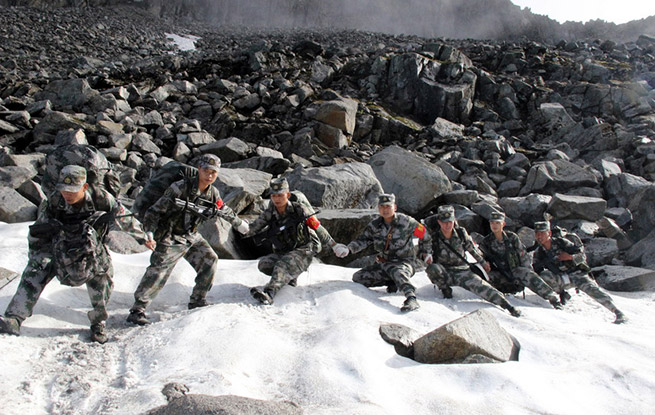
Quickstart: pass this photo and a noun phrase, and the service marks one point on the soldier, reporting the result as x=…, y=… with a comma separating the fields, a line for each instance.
x=174, y=227
x=66, y=241
x=394, y=237
x=450, y=245
x=562, y=264
x=291, y=228
x=508, y=262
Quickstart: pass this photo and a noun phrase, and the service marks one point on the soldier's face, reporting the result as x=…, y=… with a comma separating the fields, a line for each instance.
x=207, y=176
x=446, y=227
x=280, y=199
x=496, y=226
x=542, y=237
x=387, y=211
x=73, y=198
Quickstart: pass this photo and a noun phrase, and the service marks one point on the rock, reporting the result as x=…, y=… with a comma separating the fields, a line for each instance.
x=557, y=176
x=14, y=207
x=7, y=276
x=191, y=404
x=624, y=278
x=350, y=185
x=338, y=114
x=402, y=173
x=576, y=207
x=67, y=93
x=228, y=149
x=14, y=177
x=601, y=251
x=401, y=337
x=477, y=333
x=241, y=187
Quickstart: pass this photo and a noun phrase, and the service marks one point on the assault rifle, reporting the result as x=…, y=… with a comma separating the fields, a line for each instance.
x=50, y=228
x=204, y=209
x=510, y=283
x=279, y=233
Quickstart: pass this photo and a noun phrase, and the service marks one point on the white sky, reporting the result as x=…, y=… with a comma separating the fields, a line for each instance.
x=617, y=11
x=318, y=346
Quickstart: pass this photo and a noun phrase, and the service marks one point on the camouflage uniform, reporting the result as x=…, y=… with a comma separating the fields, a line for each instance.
x=450, y=269
x=510, y=261
x=40, y=269
x=562, y=275
x=397, y=245
x=322, y=233
x=176, y=234
x=296, y=249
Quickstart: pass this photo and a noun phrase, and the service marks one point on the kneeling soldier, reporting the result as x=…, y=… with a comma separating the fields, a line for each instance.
x=290, y=227
x=562, y=264
x=67, y=241
x=450, y=245
x=508, y=262
x=393, y=237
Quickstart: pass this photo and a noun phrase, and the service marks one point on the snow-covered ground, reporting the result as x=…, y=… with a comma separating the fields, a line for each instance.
x=318, y=346
x=183, y=42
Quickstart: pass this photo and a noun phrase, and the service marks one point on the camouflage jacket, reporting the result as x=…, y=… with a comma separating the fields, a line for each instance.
x=323, y=234
x=460, y=241
x=56, y=210
x=303, y=236
x=507, y=254
x=547, y=258
x=169, y=223
x=404, y=238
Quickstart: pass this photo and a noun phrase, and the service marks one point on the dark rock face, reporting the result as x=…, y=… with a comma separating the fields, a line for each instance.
x=530, y=128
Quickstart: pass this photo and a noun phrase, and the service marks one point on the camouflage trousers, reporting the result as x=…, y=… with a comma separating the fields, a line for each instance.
x=284, y=267
x=528, y=278
x=581, y=280
x=40, y=271
x=444, y=277
x=387, y=273
x=196, y=251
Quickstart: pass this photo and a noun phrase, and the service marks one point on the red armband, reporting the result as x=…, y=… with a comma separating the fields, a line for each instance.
x=219, y=203
x=312, y=222
x=419, y=231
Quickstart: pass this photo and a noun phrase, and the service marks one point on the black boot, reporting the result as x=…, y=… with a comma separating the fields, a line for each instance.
x=197, y=304
x=564, y=297
x=410, y=304
x=261, y=295
x=9, y=325
x=138, y=317
x=447, y=292
x=98, y=334
x=555, y=303
x=620, y=317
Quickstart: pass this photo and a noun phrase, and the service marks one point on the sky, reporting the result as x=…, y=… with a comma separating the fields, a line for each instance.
x=318, y=346
x=617, y=11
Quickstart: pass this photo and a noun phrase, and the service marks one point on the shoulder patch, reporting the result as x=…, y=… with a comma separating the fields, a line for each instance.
x=419, y=231
x=312, y=222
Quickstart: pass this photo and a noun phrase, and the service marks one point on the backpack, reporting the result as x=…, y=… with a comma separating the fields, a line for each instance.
x=76, y=249
x=98, y=169
x=557, y=231
x=158, y=183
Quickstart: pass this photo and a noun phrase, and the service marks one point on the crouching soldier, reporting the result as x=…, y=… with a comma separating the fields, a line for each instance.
x=67, y=241
x=508, y=263
x=562, y=264
x=172, y=224
x=393, y=236
x=450, y=245
x=290, y=228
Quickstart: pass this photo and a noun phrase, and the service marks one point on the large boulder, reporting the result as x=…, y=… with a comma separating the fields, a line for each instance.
x=341, y=186
x=241, y=187
x=477, y=333
x=624, y=278
x=14, y=207
x=67, y=93
x=193, y=404
x=414, y=180
x=577, y=207
x=557, y=176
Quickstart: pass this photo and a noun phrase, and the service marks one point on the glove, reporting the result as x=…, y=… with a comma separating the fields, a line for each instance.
x=243, y=228
x=340, y=250
x=428, y=259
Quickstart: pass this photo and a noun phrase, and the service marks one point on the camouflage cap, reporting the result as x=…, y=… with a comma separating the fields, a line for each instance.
x=71, y=178
x=386, y=199
x=542, y=226
x=209, y=161
x=446, y=213
x=279, y=185
x=497, y=217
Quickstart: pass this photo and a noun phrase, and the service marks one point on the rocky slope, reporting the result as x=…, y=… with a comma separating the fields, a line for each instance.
x=532, y=128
